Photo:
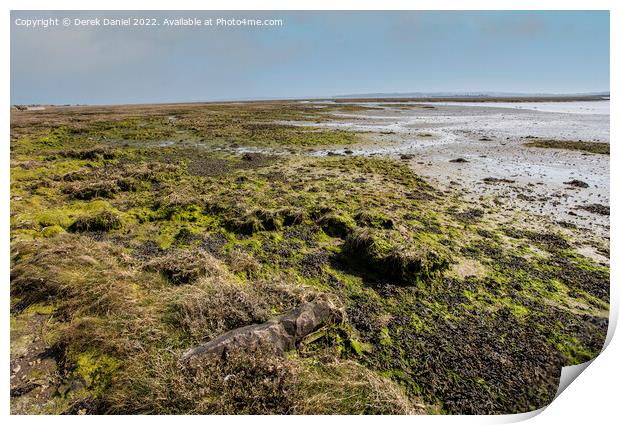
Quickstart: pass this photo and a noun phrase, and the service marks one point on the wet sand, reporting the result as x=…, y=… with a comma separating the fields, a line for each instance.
x=492, y=142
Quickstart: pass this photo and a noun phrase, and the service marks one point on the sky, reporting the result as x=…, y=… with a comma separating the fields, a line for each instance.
x=312, y=54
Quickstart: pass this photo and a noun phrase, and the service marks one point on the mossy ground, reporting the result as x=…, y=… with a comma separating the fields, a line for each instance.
x=134, y=250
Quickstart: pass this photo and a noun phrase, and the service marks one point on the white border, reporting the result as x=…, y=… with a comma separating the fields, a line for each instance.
x=591, y=399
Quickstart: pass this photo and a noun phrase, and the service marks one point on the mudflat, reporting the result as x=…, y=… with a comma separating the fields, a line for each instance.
x=446, y=258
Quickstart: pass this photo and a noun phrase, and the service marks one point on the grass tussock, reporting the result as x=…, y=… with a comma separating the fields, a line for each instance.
x=214, y=306
x=183, y=266
x=86, y=192
x=102, y=222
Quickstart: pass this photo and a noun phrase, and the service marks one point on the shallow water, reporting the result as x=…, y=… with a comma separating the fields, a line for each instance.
x=596, y=107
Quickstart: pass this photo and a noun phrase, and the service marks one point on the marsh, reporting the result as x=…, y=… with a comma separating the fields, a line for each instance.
x=459, y=286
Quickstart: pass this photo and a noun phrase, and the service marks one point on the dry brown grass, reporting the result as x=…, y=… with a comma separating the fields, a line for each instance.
x=241, y=262
x=242, y=383
x=181, y=266
x=213, y=306
x=257, y=383
x=109, y=305
x=86, y=277
x=346, y=387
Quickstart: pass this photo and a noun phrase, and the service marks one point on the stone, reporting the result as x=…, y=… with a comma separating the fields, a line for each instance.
x=577, y=183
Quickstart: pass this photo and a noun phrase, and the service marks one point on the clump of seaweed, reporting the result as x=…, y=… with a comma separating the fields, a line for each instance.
x=336, y=224
x=406, y=264
x=589, y=147
x=596, y=209
x=374, y=219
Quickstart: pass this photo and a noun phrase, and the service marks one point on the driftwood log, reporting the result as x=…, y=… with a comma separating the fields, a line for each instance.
x=281, y=333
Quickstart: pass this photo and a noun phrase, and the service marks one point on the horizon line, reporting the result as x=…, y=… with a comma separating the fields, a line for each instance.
x=420, y=96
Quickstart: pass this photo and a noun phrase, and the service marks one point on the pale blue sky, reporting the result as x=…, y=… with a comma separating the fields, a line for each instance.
x=312, y=54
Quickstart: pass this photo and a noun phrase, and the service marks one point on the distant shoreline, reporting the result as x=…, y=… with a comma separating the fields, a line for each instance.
x=463, y=99
x=576, y=98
